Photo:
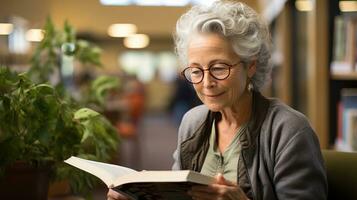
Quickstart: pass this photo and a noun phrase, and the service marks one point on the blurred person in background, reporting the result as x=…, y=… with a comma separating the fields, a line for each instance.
x=256, y=147
x=184, y=98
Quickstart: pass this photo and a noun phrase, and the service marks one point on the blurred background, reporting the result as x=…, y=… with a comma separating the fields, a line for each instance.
x=313, y=63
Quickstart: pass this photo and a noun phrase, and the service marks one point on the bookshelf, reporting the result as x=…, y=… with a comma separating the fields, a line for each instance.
x=351, y=76
x=313, y=78
x=310, y=57
x=343, y=46
x=317, y=59
x=305, y=75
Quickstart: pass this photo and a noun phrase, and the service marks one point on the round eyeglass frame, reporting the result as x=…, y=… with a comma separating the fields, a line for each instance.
x=209, y=71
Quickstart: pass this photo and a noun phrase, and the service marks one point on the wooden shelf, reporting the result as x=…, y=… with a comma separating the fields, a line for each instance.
x=344, y=76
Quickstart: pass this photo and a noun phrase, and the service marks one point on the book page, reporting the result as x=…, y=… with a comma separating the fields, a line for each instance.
x=105, y=172
x=165, y=176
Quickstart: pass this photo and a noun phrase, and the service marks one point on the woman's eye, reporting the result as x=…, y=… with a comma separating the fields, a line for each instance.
x=195, y=72
x=218, y=68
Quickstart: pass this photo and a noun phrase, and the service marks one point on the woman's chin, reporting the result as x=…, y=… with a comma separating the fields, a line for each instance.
x=214, y=107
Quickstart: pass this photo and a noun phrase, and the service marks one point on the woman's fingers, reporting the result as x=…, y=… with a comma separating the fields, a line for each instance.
x=221, y=190
x=113, y=195
x=222, y=181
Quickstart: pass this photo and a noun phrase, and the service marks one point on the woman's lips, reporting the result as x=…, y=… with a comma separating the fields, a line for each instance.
x=214, y=95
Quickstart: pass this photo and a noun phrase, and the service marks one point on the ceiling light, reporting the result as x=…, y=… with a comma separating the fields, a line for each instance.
x=115, y=2
x=34, y=35
x=149, y=3
x=121, y=30
x=6, y=28
x=137, y=41
x=154, y=2
x=176, y=3
x=162, y=3
x=348, y=6
x=303, y=5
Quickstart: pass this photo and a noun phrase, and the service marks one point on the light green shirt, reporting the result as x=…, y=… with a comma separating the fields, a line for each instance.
x=226, y=162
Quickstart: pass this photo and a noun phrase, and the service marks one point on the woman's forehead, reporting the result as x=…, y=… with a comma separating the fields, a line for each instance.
x=210, y=46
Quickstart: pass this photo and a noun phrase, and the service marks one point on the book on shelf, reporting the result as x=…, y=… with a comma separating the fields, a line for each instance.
x=339, y=143
x=347, y=119
x=344, y=45
x=143, y=185
x=351, y=128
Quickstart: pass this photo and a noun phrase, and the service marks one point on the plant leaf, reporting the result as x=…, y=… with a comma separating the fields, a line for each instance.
x=85, y=113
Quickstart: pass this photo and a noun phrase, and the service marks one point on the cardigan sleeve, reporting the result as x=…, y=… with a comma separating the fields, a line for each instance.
x=299, y=171
x=189, y=124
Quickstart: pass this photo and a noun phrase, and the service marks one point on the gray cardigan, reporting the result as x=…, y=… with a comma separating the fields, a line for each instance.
x=280, y=157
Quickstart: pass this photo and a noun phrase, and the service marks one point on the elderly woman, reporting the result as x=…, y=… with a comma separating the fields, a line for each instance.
x=258, y=148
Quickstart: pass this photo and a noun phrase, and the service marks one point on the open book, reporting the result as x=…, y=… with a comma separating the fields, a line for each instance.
x=143, y=185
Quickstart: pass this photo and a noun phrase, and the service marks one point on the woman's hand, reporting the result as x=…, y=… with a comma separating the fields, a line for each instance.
x=113, y=195
x=220, y=190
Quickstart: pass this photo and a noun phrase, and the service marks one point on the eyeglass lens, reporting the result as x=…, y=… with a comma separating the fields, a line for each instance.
x=218, y=71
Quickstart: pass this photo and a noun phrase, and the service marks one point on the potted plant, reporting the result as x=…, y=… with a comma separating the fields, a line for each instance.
x=42, y=124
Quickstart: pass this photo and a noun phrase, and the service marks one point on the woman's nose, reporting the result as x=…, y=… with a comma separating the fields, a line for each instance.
x=208, y=81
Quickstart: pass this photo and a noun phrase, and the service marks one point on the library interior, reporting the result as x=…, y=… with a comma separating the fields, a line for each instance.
x=99, y=79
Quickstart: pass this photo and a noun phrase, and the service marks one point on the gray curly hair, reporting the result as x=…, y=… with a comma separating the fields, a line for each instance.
x=237, y=22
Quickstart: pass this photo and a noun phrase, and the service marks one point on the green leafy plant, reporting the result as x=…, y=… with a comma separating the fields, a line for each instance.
x=99, y=89
x=46, y=58
x=42, y=123
x=33, y=121
x=38, y=127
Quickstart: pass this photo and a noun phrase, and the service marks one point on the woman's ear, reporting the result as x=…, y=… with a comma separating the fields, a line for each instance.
x=252, y=68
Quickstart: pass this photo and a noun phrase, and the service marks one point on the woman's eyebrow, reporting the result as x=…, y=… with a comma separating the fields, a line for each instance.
x=218, y=61
x=210, y=62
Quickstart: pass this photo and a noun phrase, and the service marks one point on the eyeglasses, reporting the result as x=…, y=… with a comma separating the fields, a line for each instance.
x=219, y=71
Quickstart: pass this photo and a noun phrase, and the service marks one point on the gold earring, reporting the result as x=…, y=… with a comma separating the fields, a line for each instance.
x=250, y=86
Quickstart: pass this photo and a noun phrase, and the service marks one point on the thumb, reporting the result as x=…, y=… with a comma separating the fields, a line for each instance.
x=222, y=181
